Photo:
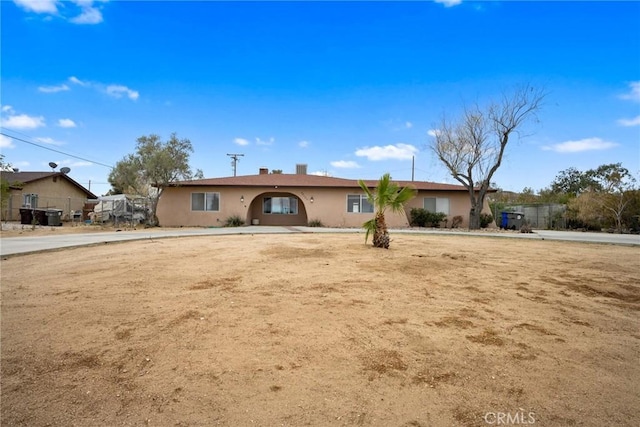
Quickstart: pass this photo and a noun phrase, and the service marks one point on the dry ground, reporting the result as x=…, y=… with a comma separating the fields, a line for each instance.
x=322, y=330
x=15, y=229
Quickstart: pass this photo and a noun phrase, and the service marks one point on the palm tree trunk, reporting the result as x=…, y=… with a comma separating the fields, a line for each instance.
x=381, y=235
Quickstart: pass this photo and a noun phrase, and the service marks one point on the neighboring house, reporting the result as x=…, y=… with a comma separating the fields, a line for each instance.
x=42, y=190
x=296, y=199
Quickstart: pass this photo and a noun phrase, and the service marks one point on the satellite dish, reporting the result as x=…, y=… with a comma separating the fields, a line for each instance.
x=53, y=165
x=65, y=170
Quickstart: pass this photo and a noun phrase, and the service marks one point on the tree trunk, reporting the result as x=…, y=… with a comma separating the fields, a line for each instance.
x=474, y=217
x=381, y=235
x=153, y=218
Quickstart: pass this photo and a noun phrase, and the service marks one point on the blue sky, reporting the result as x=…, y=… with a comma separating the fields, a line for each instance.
x=351, y=89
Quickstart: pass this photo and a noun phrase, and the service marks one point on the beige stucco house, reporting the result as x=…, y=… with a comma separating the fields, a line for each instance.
x=43, y=190
x=295, y=200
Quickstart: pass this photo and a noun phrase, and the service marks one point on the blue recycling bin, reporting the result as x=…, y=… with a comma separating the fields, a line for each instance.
x=505, y=220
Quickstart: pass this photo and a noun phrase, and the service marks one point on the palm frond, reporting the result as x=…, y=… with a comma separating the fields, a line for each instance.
x=367, y=192
x=370, y=228
x=401, y=197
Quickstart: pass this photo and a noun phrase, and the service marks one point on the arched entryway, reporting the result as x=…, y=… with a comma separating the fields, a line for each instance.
x=277, y=208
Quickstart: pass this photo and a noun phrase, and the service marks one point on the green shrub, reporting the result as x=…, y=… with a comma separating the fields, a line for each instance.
x=423, y=218
x=315, y=223
x=418, y=217
x=485, y=220
x=234, y=221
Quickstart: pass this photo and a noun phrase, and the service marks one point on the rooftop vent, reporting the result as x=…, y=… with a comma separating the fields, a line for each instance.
x=301, y=169
x=264, y=171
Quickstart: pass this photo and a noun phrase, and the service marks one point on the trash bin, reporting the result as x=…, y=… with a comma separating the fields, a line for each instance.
x=26, y=216
x=40, y=216
x=504, y=220
x=512, y=220
x=54, y=217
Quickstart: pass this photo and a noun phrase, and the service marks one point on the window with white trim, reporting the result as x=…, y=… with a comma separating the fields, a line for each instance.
x=280, y=205
x=209, y=202
x=30, y=201
x=436, y=204
x=358, y=203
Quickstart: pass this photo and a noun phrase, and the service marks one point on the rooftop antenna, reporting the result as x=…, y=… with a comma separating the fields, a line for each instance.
x=234, y=160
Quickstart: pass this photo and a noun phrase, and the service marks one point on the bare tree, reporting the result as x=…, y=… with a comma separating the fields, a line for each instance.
x=472, y=147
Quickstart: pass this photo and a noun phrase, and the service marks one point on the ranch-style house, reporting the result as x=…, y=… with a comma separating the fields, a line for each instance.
x=296, y=200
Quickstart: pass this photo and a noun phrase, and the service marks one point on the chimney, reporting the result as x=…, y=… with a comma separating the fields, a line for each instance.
x=264, y=171
x=301, y=169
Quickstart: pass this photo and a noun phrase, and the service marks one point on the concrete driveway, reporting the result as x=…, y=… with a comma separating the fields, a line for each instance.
x=30, y=244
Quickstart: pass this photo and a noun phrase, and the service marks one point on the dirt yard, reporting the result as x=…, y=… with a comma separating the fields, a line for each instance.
x=322, y=330
x=15, y=229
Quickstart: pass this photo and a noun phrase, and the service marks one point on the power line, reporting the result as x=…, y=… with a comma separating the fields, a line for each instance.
x=55, y=151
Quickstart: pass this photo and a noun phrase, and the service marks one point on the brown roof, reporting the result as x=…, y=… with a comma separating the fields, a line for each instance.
x=299, y=180
x=27, y=177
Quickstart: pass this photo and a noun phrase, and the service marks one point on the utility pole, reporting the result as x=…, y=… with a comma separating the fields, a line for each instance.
x=234, y=160
x=413, y=167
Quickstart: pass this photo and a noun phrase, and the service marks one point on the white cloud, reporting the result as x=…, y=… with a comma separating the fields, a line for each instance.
x=396, y=125
x=6, y=142
x=73, y=163
x=118, y=90
x=320, y=173
x=449, y=3
x=88, y=12
x=261, y=142
x=22, y=121
x=11, y=120
x=66, y=123
x=241, y=141
x=89, y=15
x=75, y=80
x=38, y=6
x=398, y=152
x=47, y=140
x=303, y=144
x=587, y=144
x=630, y=122
x=345, y=164
x=113, y=90
x=634, y=93
x=21, y=164
x=433, y=132
x=53, y=89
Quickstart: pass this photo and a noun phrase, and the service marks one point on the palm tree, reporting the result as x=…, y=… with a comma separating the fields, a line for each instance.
x=387, y=195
